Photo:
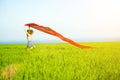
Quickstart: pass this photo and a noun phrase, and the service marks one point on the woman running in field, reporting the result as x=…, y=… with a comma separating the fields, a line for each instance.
x=29, y=34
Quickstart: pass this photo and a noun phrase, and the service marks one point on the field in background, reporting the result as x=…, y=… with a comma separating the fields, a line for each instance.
x=60, y=61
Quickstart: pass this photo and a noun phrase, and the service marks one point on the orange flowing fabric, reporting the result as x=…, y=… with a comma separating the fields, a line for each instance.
x=54, y=33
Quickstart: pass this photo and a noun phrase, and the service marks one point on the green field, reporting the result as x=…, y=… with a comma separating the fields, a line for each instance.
x=60, y=61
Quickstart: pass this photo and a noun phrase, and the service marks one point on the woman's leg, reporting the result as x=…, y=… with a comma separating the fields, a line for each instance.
x=29, y=44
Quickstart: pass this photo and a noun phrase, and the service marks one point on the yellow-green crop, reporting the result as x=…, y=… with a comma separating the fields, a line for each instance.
x=60, y=61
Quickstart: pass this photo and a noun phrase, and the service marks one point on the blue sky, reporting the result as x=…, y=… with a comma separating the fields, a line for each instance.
x=75, y=19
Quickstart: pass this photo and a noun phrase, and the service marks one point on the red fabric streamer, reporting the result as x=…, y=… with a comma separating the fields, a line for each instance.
x=54, y=33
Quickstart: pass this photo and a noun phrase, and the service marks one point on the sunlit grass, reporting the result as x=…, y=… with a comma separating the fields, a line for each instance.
x=61, y=61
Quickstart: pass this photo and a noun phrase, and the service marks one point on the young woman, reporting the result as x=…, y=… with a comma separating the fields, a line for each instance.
x=29, y=33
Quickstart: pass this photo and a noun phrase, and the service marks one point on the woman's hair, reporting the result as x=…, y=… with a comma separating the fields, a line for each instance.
x=30, y=31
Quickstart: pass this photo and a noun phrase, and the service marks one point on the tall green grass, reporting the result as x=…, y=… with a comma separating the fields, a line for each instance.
x=61, y=61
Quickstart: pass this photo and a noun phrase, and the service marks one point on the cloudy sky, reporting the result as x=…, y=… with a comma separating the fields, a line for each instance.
x=75, y=19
